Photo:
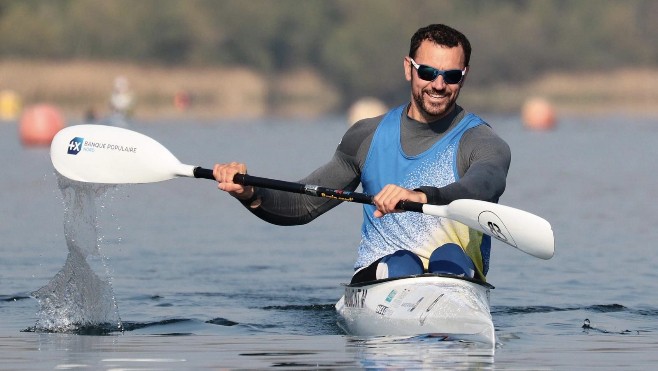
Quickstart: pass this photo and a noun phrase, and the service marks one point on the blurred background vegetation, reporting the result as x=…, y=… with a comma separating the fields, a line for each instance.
x=323, y=51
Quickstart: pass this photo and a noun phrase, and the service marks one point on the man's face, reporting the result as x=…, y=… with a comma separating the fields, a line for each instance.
x=432, y=100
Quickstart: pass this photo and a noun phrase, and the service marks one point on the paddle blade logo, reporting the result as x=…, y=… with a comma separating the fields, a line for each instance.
x=490, y=221
x=75, y=145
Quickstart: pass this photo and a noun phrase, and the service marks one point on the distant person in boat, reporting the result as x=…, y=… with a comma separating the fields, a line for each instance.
x=429, y=150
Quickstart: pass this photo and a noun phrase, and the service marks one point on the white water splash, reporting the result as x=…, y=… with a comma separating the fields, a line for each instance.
x=80, y=295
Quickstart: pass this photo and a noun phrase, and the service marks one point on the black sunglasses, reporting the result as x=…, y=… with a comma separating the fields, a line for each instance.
x=428, y=73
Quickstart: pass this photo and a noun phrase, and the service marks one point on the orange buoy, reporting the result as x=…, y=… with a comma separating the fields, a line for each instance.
x=538, y=114
x=39, y=124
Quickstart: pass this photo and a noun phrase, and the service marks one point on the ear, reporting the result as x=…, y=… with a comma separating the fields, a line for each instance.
x=407, y=68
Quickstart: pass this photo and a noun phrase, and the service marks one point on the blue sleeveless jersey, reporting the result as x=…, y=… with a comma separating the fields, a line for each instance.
x=386, y=163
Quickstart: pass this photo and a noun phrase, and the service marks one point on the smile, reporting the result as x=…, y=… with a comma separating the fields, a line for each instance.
x=436, y=96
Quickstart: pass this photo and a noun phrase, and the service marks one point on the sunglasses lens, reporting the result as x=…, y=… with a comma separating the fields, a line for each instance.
x=452, y=76
x=427, y=73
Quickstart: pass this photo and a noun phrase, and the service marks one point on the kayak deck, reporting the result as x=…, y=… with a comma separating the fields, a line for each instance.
x=431, y=304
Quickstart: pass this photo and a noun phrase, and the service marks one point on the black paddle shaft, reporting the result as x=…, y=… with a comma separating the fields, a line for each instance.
x=312, y=190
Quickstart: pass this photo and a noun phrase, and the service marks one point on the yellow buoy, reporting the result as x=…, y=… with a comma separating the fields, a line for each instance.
x=10, y=105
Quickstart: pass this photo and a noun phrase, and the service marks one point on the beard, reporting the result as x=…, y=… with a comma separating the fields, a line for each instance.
x=433, y=110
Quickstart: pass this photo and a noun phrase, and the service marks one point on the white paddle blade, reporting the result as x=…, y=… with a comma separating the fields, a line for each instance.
x=108, y=154
x=523, y=230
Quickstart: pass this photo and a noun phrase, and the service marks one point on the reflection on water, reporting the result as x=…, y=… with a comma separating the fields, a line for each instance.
x=325, y=352
x=80, y=297
x=421, y=352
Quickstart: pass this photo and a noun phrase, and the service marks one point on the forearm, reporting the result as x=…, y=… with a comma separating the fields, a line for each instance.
x=283, y=208
x=486, y=183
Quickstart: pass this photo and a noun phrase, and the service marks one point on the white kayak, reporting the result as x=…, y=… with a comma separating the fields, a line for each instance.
x=428, y=304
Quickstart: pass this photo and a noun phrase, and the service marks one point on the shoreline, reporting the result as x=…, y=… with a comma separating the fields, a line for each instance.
x=77, y=87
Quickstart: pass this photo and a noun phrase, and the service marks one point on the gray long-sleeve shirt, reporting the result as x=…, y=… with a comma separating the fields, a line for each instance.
x=483, y=160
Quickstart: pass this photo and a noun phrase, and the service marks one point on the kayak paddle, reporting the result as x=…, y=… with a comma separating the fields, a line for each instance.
x=109, y=154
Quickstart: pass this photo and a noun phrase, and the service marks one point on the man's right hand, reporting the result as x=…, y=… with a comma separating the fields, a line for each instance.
x=224, y=174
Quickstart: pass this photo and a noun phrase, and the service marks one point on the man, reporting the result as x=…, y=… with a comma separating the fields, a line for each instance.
x=430, y=151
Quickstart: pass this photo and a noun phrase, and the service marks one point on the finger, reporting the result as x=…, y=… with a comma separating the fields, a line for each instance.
x=224, y=174
x=392, y=197
x=219, y=171
x=387, y=198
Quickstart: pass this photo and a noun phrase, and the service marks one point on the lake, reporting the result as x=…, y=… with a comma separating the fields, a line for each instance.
x=196, y=282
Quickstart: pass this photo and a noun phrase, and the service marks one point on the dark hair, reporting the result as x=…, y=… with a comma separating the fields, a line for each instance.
x=440, y=34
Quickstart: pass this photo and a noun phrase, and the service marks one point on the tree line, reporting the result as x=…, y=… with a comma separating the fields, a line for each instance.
x=357, y=44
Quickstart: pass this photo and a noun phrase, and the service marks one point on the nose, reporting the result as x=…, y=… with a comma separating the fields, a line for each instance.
x=439, y=83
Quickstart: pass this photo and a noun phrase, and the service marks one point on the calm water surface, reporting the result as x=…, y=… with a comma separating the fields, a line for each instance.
x=197, y=282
